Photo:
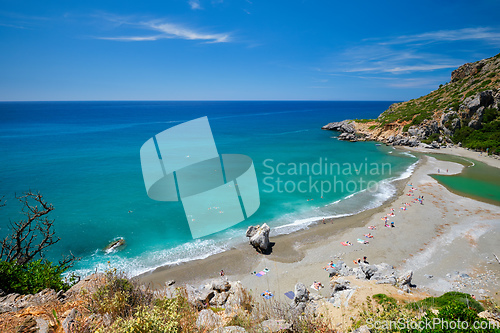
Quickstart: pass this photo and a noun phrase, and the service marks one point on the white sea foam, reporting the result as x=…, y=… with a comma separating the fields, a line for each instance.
x=407, y=154
x=289, y=132
x=148, y=261
x=302, y=224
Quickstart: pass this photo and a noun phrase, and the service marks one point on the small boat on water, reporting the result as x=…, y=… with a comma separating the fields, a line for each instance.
x=378, y=144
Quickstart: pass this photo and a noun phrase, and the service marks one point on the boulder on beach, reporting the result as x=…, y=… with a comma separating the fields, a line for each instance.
x=259, y=237
x=301, y=293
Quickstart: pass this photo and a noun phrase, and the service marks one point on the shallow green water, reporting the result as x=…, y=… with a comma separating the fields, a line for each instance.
x=478, y=180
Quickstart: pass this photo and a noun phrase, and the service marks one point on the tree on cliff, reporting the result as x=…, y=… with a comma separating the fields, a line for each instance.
x=23, y=266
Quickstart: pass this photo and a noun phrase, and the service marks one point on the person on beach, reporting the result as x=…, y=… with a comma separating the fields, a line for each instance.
x=330, y=265
x=393, y=225
x=364, y=260
x=222, y=272
x=317, y=285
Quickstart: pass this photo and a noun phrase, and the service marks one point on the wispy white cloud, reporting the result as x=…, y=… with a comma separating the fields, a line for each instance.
x=398, y=81
x=20, y=21
x=416, y=82
x=173, y=30
x=387, y=68
x=195, y=4
x=385, y=59
x=412, y=53
x=165, y=30
x=481, y=33
x=12, y=26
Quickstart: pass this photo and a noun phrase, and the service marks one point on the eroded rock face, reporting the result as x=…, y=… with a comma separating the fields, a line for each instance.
x=340, y=126
x=465, y=70
x=301, y=293
x=229, y=329
x=208, y=320
x=274, y=325
x=405, y=278
x=16, y=302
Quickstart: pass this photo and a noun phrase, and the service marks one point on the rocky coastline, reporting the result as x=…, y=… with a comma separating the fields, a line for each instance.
x=445, y=124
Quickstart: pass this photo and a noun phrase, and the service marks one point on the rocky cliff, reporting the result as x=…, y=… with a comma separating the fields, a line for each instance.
x=465, y=109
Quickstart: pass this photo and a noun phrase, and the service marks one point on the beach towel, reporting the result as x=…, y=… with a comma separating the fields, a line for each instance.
x=261, y=273
x=345, y=244
x=290, y=294
x=362, y=241
x=267, y=295
x=314, y=287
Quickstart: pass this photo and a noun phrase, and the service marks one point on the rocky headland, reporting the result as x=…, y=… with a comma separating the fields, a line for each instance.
x=469, y=103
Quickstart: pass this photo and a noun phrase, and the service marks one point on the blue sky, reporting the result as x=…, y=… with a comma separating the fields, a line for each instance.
x=239, y=49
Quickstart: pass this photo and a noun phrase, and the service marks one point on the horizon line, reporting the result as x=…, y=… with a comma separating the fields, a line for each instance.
x=198, y=100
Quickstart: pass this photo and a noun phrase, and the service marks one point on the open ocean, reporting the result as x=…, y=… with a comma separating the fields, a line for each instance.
x=84, y=158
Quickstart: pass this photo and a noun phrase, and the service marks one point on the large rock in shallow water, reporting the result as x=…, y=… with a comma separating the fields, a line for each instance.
x=259, y=237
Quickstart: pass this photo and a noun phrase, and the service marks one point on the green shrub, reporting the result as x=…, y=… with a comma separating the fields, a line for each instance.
x=162, y=318
x=431, y=138
x=462, y=134
x=362, y=121
x=117, y=296
x=490, y=114
x=383, y=299
x=455, y=105
x=32, y=277
x=454, y=312
x=470, y=93
x=446, y=299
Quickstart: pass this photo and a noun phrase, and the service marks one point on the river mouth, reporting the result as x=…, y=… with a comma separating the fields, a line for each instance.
x=478, y=180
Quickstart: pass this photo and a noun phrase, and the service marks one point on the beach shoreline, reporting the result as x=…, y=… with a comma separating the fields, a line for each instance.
x=424, y=240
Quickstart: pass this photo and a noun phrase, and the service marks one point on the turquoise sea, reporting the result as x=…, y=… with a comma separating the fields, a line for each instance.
x=84, y=158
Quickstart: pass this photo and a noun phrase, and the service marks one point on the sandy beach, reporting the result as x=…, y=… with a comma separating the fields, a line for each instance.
x=448, y=242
